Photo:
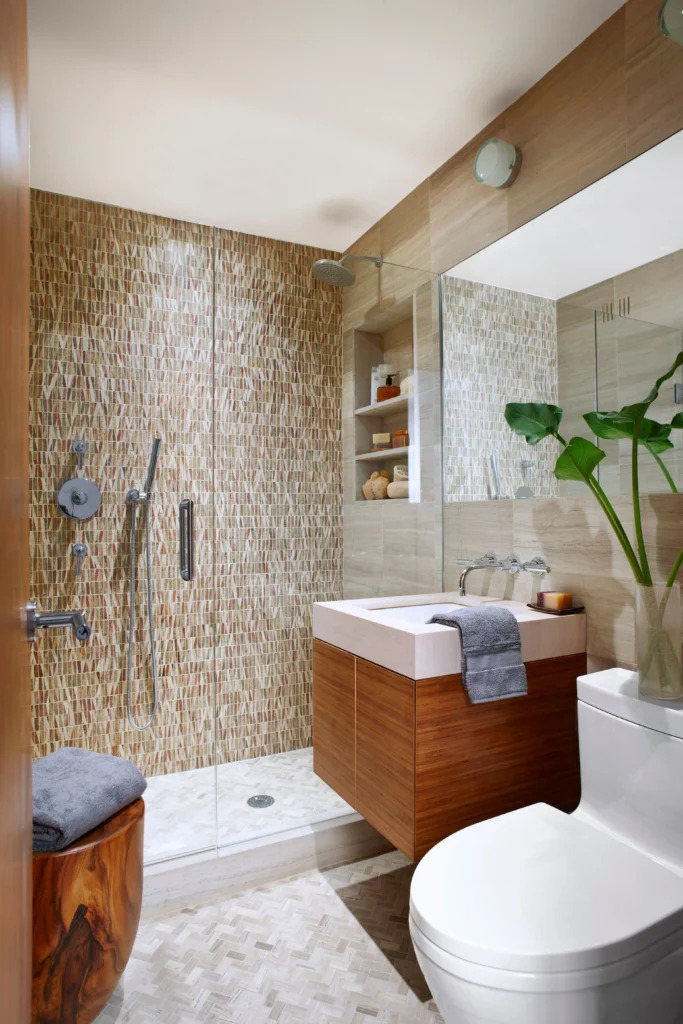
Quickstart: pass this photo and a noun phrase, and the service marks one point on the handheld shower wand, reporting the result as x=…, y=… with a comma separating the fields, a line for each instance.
x=134, y=498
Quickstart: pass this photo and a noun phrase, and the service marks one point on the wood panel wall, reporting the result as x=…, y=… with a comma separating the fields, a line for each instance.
x=616, y=95
x=15, y=755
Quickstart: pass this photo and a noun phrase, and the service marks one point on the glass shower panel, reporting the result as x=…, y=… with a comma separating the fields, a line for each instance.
x=170, y=373
x=392, y=495
x=631, y=355
x=577, y=375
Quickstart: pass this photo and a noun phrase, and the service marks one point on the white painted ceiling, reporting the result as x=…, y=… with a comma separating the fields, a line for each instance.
x=304, y=121
x=627, y=219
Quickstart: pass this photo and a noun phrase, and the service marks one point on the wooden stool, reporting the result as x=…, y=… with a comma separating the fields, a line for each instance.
x=86, y=908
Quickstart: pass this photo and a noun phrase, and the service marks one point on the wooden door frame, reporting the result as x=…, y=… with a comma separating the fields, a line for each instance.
x=15, y=731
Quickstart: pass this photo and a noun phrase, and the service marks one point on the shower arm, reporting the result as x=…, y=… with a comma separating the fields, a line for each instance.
x=377, y=260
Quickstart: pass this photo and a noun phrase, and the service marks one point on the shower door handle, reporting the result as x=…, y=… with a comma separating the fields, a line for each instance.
x=186, y=530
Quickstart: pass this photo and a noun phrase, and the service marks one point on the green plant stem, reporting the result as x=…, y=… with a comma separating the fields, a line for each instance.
x=664, y=470
x=622, y=536
x=608, y=509
x=635, y=487
x=674, y=572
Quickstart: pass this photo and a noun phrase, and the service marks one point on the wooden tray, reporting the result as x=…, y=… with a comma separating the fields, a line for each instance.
x=552, y=611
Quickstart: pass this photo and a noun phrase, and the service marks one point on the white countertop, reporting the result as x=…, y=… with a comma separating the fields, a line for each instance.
x=376, y=629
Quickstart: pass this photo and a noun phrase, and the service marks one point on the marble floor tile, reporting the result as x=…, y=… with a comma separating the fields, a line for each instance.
x=194, y=810
x=328, y=947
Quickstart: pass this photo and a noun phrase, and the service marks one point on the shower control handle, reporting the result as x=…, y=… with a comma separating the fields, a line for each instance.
x=186, y=538
x=73, y=620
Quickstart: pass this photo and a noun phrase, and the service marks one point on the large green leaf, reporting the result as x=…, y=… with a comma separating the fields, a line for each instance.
x=578, y=460
x=533, y=420
x=613, y=426
x=658, y=383
x=657, y=446
x=677, y=421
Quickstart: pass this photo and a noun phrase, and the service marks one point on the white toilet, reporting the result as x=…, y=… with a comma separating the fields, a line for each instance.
x=539, y=917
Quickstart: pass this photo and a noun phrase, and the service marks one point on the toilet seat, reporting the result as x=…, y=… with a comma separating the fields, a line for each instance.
x=539, y=891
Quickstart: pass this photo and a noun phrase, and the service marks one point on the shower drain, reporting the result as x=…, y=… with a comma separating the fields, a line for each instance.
x=261, y=800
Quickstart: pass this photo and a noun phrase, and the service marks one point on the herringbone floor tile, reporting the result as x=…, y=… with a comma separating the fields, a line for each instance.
x=326, y=948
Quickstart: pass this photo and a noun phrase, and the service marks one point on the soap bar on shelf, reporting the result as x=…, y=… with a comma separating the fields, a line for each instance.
x=380, y=442
x=554, y=599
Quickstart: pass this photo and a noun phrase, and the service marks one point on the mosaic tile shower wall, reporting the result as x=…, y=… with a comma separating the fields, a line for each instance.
x=122, y=350
x=498, y=346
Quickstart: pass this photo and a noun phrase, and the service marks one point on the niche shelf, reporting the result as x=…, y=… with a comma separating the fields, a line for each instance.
x=388, y=455
x=388, y=338
x=386, y=408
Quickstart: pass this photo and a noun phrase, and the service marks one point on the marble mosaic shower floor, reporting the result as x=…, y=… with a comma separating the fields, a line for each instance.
x=182, y=810
x=328, y=947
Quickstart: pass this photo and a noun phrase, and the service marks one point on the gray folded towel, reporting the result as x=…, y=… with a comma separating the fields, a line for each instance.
x=492, y=666
x=76, y=790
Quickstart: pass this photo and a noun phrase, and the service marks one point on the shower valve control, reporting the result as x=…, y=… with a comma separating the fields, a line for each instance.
x=79, y=551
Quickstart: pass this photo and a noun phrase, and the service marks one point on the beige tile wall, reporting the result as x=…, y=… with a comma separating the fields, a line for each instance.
x=579, y=545
x=122, y=350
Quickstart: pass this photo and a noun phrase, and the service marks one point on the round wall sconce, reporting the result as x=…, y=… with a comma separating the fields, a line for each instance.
x=671, y=20
x=497, y=163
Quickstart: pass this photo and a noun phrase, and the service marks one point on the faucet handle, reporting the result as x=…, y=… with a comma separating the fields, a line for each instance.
x=510, y=564
x=537, y=566
x=483, y=560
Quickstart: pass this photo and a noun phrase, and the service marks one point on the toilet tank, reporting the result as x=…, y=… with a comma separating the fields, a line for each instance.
x=631, y=751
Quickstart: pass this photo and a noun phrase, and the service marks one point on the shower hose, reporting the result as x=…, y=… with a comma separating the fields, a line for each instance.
x=150, y=614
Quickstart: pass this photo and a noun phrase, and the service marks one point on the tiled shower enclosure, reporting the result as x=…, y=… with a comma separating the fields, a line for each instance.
x=226, y=348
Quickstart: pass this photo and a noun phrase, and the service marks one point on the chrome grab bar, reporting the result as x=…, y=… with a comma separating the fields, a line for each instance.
x=186, y=537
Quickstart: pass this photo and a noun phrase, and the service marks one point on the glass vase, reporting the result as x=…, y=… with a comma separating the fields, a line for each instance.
x=658, y=642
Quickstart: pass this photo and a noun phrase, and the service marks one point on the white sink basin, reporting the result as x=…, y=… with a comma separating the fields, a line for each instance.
x=420, y=613
x=396, y=633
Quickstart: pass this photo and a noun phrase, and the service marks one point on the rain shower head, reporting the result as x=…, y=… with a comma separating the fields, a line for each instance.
x=334, y=272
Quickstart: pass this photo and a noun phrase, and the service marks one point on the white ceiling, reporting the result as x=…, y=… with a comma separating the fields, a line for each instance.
x=630, y=217
x=305, y=120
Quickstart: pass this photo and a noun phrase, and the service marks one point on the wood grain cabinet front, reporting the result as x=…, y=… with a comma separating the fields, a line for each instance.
x=419, y=761
x=334, y=719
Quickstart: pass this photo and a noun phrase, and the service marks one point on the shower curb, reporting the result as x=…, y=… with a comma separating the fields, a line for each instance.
x=212, y=875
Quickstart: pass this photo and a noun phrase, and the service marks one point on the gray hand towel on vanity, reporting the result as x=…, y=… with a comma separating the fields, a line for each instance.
x=76, y=790
x=492, y=666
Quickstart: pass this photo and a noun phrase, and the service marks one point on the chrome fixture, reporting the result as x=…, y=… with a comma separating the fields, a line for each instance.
x=525, y=491
x=671, y=20
x=487, y=561
x=73, y=620
x=134, y=498
x=497, y=163
x=537, y=567
x=186, y=538
x=334, y=272
x=79, y=498
x=494, y=487
x=79, y=551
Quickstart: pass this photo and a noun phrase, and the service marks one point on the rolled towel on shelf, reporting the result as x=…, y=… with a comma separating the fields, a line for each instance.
x=492, y=666
x=75, y=790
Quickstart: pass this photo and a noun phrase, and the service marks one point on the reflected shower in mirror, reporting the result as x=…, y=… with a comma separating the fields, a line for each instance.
x=581, y=308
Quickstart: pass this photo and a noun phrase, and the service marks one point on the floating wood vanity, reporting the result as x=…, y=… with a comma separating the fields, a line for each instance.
x=419, y=761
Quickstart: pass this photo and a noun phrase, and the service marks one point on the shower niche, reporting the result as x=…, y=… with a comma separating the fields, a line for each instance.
x=388, y=339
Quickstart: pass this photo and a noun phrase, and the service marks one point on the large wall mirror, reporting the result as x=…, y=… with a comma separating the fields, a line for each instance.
x=581, y=308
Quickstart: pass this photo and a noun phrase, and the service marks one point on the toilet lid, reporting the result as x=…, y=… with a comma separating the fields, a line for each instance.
x=539, y=890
